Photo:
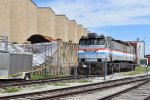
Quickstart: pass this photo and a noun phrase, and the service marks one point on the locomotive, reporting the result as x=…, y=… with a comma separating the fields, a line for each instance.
x=95, y=49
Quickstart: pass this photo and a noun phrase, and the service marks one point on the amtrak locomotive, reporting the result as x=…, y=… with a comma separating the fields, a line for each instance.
x=94, y=49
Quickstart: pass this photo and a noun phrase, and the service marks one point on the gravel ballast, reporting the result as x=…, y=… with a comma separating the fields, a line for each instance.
x=36, y=88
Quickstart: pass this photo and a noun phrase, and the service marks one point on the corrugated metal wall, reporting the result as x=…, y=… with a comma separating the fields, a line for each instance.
x=148, y=60
x=14, y=63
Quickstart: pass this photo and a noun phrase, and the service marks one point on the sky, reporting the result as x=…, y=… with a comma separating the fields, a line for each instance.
x=125, y=20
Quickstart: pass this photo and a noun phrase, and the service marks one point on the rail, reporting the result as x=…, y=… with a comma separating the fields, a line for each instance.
x=124, y=91
x=58, y=93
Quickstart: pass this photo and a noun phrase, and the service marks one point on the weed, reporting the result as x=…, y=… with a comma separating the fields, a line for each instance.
x=138, y=70
x=11, y=90
x=36, y=77
x=83, y=81
x=60, y=84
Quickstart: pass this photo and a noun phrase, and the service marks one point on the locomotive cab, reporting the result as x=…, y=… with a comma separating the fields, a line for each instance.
x=92, y=50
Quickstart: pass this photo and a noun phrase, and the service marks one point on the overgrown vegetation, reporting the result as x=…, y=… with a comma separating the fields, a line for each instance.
x=11, y=90
x=36, y=77
x=138, y=70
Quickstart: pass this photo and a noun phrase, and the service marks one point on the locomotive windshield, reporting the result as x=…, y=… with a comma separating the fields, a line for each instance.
x=92, y=42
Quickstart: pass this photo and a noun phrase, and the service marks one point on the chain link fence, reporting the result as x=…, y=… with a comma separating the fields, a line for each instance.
x=56, y=68
x=110, y=70
x=123, y=69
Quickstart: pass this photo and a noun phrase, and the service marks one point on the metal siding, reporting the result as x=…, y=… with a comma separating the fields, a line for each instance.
x=20, y=63
x=140, y=50
x=148, y=60
x=92, y=55
x=4, y=65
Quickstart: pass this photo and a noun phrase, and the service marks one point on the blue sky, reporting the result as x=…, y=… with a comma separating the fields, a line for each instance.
x=121, y=19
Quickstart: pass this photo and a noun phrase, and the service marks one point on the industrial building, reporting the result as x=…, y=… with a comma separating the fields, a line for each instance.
x=21, y=19
x=148, y=57
x=5, y=18
x=61, y=27
x=72, y=31
x=85, y=31
x=140, y=49
x=46, y=22
x=18, y=19
x=79, y=32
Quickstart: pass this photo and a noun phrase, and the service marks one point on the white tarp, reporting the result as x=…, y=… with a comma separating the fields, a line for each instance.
x=40, y=50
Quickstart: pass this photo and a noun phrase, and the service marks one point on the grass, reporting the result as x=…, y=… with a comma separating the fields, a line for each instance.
x=83, y=81
x=80, y=81
x=60, y=84
x=73, y=81
x=11, y=90
x=37, y=77
x=138, y=70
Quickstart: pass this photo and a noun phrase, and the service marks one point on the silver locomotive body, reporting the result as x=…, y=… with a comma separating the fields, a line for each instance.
x=95, y=49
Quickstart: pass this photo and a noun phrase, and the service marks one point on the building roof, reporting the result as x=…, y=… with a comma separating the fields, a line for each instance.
x=147, y=55
x=36, y=38
x=46, y=8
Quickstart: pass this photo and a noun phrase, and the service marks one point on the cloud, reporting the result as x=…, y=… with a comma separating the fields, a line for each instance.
x=103, y=12
x=100, y=15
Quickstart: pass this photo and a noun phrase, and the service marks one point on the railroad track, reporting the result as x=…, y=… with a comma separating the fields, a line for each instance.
x=18, y=83
x=59, y=93
x=138, y=92
x=3, y=81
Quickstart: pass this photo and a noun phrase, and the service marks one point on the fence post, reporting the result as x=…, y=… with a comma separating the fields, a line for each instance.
x=89, y=69
x=105, y=68
x=119, y=68
x=132, y=69
x=76, y=70
x=146, y=70
x=112, y=69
